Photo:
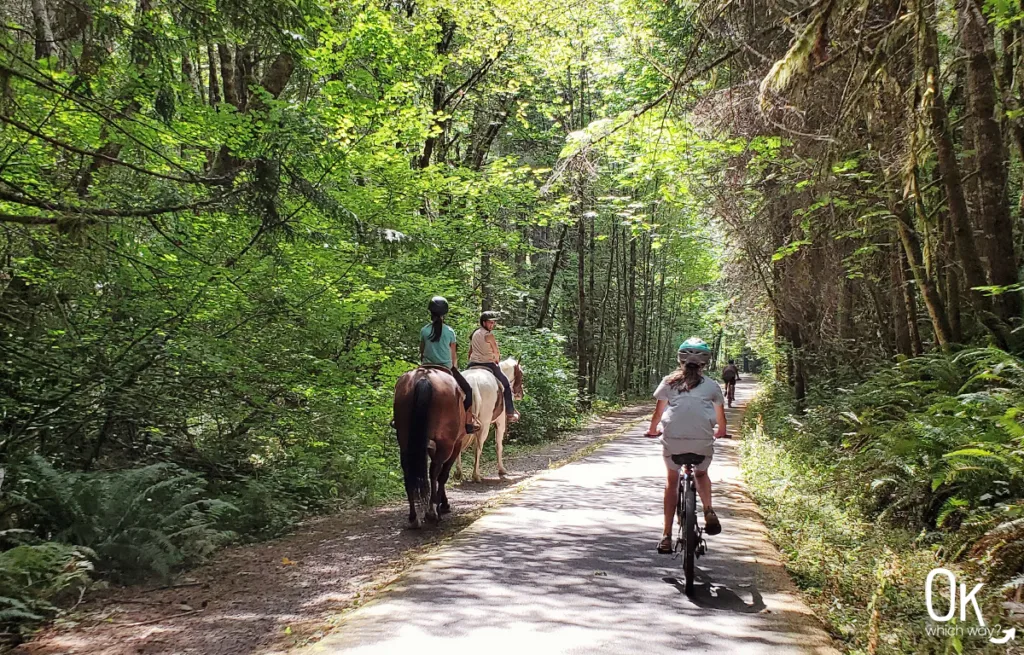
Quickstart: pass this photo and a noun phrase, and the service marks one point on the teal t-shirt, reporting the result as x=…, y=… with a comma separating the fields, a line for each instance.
x=440, y=351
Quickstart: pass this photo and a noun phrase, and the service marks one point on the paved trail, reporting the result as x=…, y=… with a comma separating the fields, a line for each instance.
x=568, y=566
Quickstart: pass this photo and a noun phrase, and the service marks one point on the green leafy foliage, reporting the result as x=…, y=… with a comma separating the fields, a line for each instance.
x=919, y=465
x=135, y=522
x=221, y=223
x=32, y=576
x=549, y=405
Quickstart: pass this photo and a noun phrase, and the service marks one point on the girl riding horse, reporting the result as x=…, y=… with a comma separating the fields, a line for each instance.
x=484, y=352
x=438, y=348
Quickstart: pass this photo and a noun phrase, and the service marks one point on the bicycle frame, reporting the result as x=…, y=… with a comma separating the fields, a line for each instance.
x=687, y=504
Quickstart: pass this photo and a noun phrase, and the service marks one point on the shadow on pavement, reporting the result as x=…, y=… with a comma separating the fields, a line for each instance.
x=718, y=597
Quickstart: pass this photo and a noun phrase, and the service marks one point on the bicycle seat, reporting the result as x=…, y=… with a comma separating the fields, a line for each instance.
x=693, y=459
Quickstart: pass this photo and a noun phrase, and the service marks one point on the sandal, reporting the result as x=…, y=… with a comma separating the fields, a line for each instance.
x=665, y=545
x=711, y=523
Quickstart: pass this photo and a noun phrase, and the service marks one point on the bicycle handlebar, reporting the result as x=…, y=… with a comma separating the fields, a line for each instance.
x=658, y=434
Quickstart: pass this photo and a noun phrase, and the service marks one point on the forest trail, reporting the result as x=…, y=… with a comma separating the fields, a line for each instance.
x=270, y=596
x=569, y=566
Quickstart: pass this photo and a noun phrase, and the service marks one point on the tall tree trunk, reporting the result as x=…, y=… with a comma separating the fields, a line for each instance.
x=630, y=316
x=900, y=311
x=43, y=33
x=211, y=58
x=846, y=309
x=884, y=328
x=592, y=314
x=799, y=369
x=935, y=110
x=661, y=347
x=620, y=281
x=546, y=298
x=188, y=71
x=948, y=278
x=581, y=307
x=227, y=75
x=932, y=301
x=486, y=288
x=603, y=341
x=440, y=87
x=911, y=301
x=993, y=212
x=645, y=252
x=245, y=65
x=142, y=51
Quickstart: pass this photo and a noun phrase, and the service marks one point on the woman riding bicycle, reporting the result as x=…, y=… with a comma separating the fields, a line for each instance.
x=689, y=405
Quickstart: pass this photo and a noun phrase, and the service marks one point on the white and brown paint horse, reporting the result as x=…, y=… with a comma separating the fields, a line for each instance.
x=489, y=409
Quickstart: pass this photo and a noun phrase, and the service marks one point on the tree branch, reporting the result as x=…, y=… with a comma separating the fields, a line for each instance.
x=99, y=155
x=19, y=199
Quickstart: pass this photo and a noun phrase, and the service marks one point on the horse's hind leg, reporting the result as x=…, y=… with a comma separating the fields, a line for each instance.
x=458, y=461
x=413, y=494
x=443, y=507
x=480, y=439
x=436, y=463
x=499, y=436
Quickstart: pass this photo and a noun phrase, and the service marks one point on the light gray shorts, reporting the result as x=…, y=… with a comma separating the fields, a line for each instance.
x=672, y=466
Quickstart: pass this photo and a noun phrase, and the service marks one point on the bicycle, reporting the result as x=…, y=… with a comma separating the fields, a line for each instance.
x=730, y=392
x=690, y=542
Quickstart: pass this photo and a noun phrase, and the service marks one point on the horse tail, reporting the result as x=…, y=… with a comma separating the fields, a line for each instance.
x=419, y=436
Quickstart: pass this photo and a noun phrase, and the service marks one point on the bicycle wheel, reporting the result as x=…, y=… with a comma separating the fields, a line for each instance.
x=690, y=534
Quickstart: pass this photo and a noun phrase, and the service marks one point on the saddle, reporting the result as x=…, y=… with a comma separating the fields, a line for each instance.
x=499, y=406
x=693, y=459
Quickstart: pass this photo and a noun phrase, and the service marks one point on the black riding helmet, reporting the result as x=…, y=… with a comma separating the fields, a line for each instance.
x=438, y=305
x=489, y=316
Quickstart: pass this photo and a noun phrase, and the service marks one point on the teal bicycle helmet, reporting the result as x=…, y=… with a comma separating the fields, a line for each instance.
x=694, y=351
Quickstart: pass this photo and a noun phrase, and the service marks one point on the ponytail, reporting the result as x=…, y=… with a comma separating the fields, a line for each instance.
x=685, y=378
x=435, y=327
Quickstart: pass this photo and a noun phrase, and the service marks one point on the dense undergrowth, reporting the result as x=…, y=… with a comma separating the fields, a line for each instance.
x=61, y=529
x=870, y=488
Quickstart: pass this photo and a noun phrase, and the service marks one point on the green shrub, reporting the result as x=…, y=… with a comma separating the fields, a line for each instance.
x=32, y=576
x=138, y=522
x=549, y=378
x=844, y=488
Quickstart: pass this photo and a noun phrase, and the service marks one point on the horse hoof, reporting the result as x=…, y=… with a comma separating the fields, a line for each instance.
x=416, y=523
x=502, y=473
x=477, y=478
x=444, y=509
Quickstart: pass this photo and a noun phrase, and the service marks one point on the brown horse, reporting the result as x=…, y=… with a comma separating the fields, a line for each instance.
x=431, y=422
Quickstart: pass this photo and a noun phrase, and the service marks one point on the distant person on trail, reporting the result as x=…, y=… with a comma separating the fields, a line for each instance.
x=438, y=348
x=689, y=405
x=483, y=351
x=730, y=375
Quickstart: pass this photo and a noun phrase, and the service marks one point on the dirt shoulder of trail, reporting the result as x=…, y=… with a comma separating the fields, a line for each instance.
x=271, y=596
